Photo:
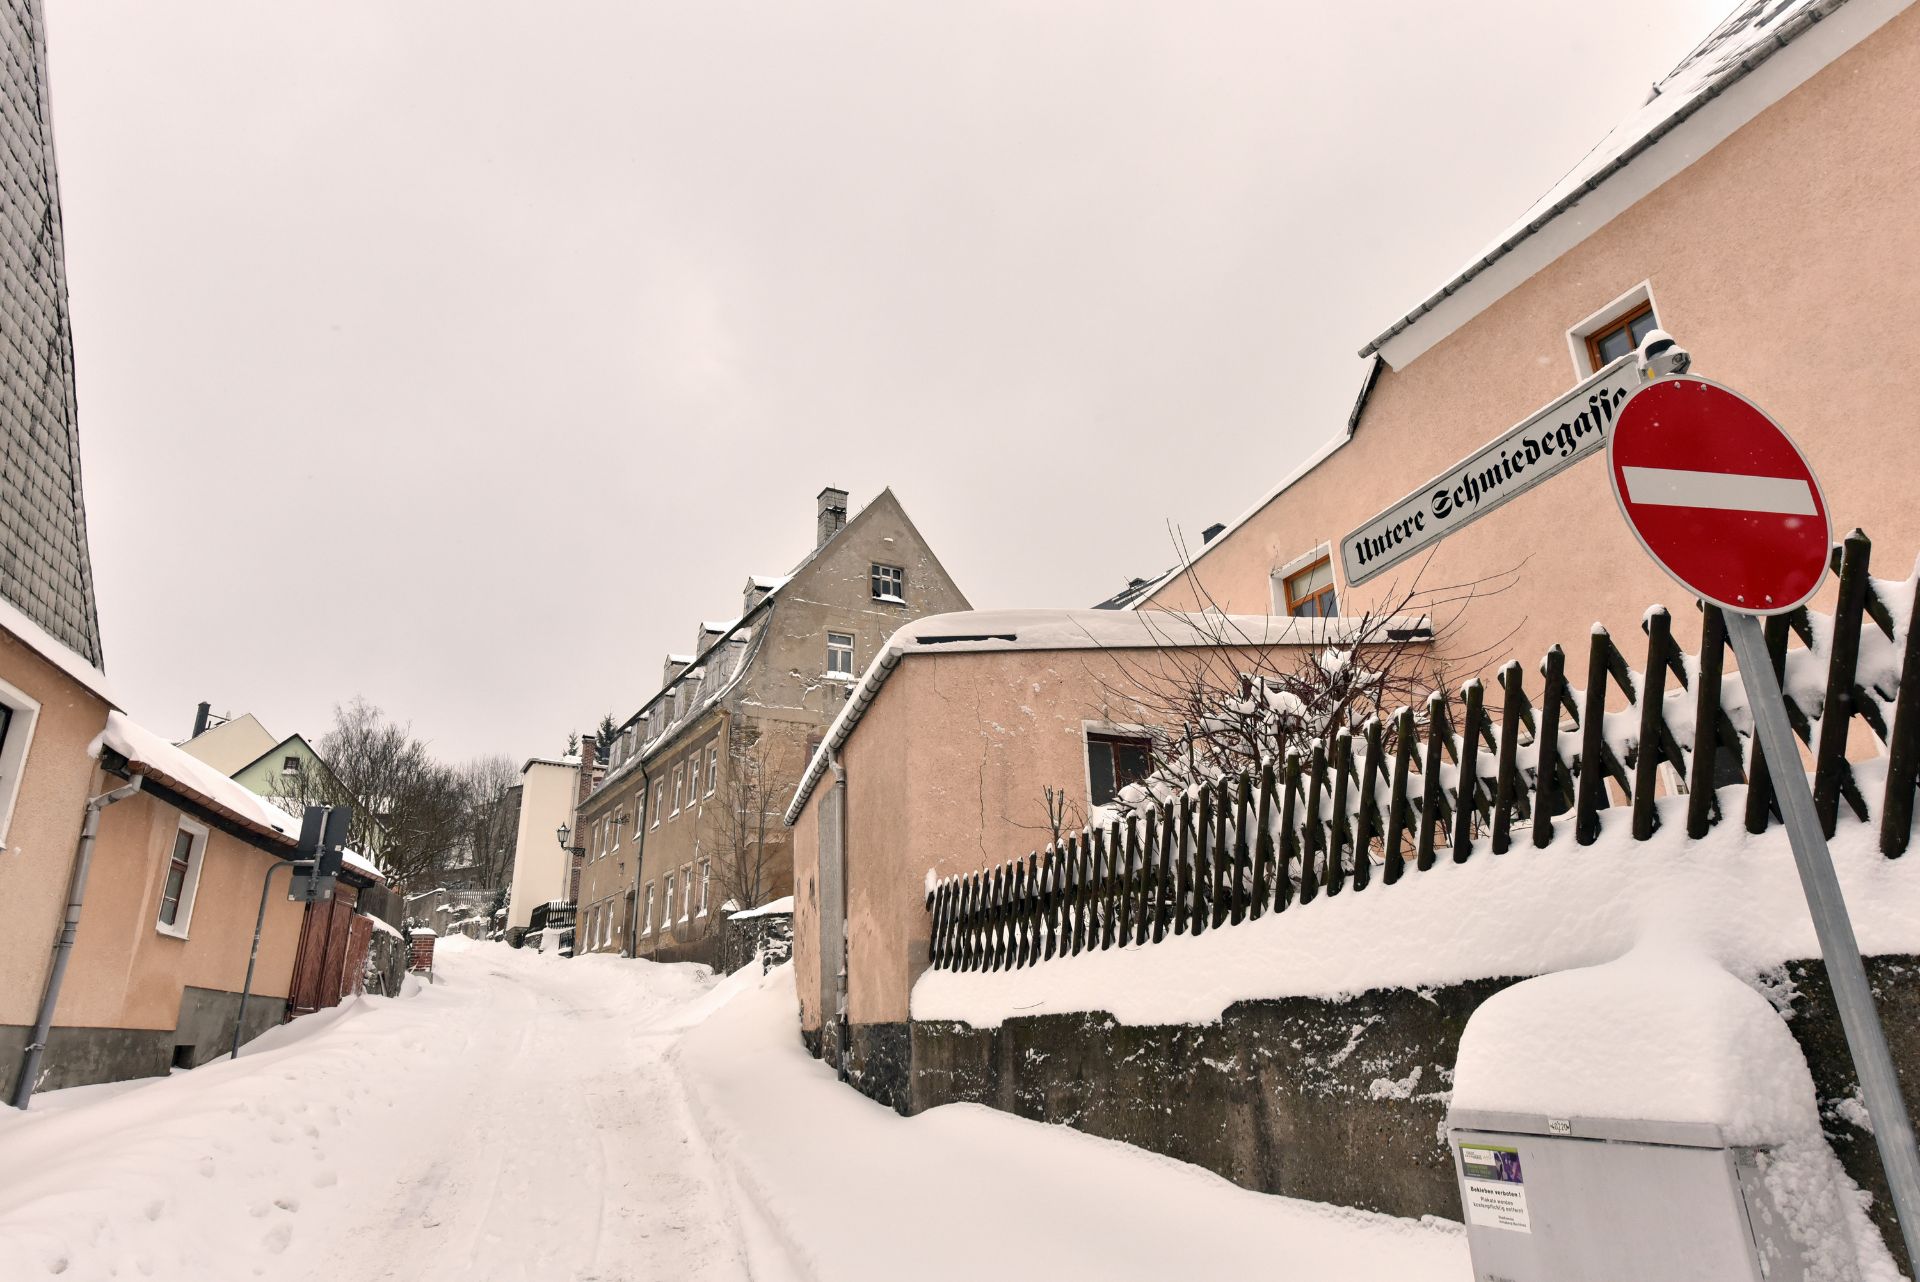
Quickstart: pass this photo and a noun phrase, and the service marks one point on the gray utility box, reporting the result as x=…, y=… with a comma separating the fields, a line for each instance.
x=1613, y=1200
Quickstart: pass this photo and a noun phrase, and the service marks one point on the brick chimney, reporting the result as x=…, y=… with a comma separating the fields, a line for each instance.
x=830, y=516
x=589, y=760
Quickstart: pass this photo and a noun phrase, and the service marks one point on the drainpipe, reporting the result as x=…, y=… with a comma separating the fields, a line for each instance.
x=63, y=948
x=640, y=858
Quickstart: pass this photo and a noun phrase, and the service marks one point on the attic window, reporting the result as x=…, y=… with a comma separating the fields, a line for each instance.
x=890, y=584
x=1618, y=337
x=289, y=765
x=1310, y=591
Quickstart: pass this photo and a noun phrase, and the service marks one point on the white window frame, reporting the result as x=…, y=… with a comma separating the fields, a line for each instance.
x=678, y=772
x=1578, y=335
x=686, y=893
x=873, y=581
x=646, y=922
x=189, y=885
x=666, y=918
x=659, y=800
x=706, y=879
x=846, y=673
x=13, y=755
x=713, y=767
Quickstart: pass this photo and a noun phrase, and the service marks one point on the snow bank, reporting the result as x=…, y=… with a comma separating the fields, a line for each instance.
x=1666, y=1033
x=847, y=1190
x=1661, y=1032
x=1736, y=897
x=778, y=906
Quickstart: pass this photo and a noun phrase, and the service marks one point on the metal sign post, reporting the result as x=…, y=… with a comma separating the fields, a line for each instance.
x=1866, y=1040
x=1723, y=500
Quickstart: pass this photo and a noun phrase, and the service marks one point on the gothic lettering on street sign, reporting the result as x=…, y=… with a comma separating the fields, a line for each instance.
x=1544, y=443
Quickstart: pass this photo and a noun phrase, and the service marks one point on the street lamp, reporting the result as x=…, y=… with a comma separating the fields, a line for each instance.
x=565, y=834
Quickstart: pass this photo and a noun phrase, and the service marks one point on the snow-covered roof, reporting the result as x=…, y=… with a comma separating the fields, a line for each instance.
x=718, y=625
x=151, y=755
x=63, y=657
x=992, y=631
x=1745, y=39
x=679, y=658
x=769, y=582
x=571, y=763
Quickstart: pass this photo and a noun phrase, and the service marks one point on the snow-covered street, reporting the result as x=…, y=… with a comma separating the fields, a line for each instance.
x=532, y=1118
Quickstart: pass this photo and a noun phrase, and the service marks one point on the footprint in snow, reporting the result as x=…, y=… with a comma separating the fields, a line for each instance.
x=325, y=1179
x=155, y=1209
x=277, y=1238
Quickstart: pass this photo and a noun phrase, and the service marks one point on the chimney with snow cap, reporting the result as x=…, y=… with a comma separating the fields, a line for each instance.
x=830, y=516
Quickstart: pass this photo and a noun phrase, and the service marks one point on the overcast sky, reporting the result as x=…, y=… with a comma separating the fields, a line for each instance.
x=463, y=356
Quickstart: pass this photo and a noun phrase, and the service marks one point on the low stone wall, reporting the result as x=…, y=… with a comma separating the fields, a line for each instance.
x=1333, y=1101
x=766, y=935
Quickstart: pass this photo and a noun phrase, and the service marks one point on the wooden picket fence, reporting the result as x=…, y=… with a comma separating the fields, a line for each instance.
x=1343, y=816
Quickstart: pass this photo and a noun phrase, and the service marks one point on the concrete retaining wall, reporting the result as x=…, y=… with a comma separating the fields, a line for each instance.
x=1334, y=1101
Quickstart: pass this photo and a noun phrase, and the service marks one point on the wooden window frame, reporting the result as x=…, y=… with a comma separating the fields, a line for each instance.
x=1625, y=321
x=1294, y=603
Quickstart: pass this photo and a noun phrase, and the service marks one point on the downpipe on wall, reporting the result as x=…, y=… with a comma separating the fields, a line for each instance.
x=63, y=947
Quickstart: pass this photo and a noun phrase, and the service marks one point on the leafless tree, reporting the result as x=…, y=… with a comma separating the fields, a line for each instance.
x=741, y=823
x=1234, y=700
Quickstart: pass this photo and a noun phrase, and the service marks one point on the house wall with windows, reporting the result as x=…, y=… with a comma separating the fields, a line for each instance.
x=1785, y=258
x=1044, y=692
x=164, y=940
x=541, y=869
x=719, y=750
x=46, y=776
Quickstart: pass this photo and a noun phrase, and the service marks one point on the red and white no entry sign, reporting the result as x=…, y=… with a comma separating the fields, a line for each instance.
x=1719, y=496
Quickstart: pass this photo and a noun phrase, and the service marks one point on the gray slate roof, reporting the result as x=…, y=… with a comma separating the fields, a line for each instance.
x=45, y=570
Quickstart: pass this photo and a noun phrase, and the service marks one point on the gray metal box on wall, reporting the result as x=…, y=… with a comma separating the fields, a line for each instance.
x=1608, y=1199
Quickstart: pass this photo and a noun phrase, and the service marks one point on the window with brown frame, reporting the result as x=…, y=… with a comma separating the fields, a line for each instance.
x=1113, y=762
x=1310, y=591
x=1624, y=334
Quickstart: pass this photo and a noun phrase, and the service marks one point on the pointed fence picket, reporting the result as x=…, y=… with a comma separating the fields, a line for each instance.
x=1319, y=822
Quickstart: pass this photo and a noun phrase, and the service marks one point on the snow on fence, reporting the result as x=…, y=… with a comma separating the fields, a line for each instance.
x=1318, y=823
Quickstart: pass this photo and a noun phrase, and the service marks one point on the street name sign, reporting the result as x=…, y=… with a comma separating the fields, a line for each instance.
x=1546, y=442
x=1719, y=496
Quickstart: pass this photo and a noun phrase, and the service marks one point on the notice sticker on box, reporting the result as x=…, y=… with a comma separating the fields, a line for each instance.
x=1496, y=1196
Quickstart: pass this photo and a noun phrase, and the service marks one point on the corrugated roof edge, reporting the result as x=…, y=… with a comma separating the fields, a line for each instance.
x=1799, y=23
x=999, y=631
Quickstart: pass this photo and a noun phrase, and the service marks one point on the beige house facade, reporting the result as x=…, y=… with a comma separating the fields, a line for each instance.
x=902, y=788
x=687, y=818
x=1760, y=209
x=549, y=786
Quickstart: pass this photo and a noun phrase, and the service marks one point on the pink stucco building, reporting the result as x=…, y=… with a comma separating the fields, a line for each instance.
x=1759, y=207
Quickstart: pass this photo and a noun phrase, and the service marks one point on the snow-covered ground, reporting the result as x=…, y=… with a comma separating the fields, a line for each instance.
x=529, y=1117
